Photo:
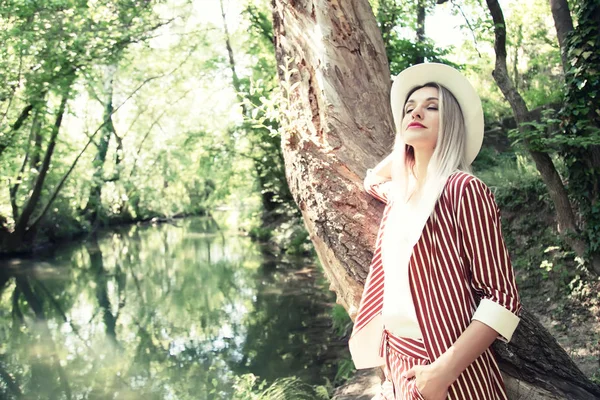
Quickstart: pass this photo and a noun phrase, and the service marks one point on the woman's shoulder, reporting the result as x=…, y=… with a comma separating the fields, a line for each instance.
x=461, y=181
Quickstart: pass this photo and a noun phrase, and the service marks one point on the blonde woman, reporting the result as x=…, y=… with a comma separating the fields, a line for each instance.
x=441, y=287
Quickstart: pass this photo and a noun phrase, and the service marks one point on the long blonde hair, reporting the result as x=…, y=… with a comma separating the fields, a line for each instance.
x=448, y=155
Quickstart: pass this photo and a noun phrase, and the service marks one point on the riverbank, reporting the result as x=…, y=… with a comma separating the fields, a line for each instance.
x=49, y=238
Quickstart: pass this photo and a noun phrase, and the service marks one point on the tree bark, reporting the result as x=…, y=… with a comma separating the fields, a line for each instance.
x=338, y=123
x=564, y=25
x=31, y=159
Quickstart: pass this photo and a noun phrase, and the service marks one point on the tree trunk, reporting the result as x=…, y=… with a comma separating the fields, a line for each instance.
x=564, y=25
x=36, y=133
x=267, y=170
x=581, y=122
x=567, y=224
x=236, y=81
x=421, y=13
x=31, y=158
x=94, y=203
x=338, y=123
x=18, y=236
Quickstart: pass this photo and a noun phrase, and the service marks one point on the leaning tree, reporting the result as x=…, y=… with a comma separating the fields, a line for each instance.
x=337, y=123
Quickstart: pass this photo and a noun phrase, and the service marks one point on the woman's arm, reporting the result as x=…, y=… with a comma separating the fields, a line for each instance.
x=377, y=180
x=492, y=275
x=492, y=280
x=470, y=345
x=384, y=168
x=434, y=379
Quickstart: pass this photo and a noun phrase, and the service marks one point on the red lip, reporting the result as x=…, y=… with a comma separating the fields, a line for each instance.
x=416, y=124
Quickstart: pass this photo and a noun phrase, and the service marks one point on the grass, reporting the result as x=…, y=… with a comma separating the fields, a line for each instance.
x=291, y=388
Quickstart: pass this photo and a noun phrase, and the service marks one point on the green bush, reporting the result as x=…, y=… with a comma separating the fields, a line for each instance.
x=341, y=320
x=247, y=387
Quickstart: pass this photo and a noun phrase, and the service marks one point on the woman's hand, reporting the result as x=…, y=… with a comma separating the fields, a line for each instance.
x=433, y=379
x=430, y=381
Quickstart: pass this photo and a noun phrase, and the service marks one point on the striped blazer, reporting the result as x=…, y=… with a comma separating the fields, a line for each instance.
x=459, y=270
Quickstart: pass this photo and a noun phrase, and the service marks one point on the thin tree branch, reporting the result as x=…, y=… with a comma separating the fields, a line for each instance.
x=15, y=127
x=14, y=88
x=154, y=123
x=468, y=24
x=92, y=90
x=15, y=188
x=30, y=205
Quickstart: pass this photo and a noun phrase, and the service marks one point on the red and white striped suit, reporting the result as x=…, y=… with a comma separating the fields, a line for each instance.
x=459, y=270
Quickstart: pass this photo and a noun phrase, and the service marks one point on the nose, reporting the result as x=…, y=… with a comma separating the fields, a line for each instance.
x=417, y=112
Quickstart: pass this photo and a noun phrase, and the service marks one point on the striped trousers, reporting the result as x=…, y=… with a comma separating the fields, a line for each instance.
x=400, y=355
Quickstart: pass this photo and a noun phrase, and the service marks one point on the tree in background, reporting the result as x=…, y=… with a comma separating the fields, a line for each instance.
x=47, y=49
x=402, y=25
x=253, y=90
x=577, y=140
x=107, y=116
x=579, y=137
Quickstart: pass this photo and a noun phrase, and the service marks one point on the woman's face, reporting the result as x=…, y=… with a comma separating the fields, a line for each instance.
x=420, y=124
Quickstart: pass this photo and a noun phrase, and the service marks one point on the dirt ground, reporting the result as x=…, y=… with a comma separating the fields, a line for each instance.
x=573, y=319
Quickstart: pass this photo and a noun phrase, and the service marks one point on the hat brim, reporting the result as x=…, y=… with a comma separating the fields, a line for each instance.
x=453, y=80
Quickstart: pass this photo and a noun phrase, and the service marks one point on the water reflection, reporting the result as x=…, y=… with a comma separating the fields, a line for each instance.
x=165, y=312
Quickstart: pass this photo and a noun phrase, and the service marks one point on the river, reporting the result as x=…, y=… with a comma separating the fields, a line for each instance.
x=171, y=311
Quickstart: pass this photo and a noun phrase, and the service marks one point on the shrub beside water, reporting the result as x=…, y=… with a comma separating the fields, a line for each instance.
x=247, y=387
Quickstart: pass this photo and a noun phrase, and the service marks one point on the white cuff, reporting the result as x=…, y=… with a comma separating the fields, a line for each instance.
x=497, y=317
x=373, y=178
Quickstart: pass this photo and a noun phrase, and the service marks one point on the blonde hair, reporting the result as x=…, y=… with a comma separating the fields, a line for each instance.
x=449, y=153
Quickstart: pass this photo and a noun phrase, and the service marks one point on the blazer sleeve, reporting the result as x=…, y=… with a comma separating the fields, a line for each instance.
x=377, y=186
x=491, y=273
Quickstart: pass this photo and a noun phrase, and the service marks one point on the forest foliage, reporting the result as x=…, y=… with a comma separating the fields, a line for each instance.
x=116, y=111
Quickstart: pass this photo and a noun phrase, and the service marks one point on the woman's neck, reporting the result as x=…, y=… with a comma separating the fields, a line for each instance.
x=422, y=158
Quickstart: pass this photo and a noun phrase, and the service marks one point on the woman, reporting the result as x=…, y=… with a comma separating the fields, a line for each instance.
x=441, y=287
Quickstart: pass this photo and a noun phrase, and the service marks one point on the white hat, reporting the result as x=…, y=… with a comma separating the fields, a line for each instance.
x=461, y=88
